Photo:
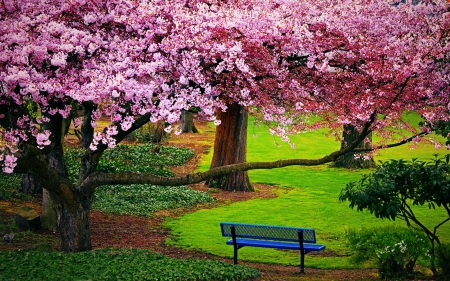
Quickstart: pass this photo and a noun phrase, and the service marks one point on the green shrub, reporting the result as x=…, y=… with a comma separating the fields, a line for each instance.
x=115, y=264
x=393, y=250
x=443, y=260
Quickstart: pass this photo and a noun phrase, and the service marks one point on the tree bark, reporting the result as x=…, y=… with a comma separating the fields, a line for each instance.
x=348, y=160
x=48, y=215
x=230, y=147
x=30, y=185
x=73, y=224
x=57, y=125
x=187, y=122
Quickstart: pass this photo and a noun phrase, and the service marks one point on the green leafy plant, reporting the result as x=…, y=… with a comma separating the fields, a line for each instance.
x=115, y=264
x=394, y=250
x=395, y=186
x=443, y=260
x=139, y=200
x=144, y=200
x=132, y=158
x=9, y=187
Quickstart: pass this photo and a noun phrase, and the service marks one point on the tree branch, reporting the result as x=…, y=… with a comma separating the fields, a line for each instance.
x=32, y=160
x=410, y=139
x=97, y=179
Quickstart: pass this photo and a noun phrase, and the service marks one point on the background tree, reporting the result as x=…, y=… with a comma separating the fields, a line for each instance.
x=133, y=62
x=395, y=186
x=355, y=159
x=187, y=122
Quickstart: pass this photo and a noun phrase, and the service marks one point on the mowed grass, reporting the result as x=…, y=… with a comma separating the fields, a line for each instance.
x=307, y=197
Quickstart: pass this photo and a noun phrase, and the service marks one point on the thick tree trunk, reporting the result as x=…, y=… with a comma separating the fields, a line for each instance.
x=349, y=160
x=55, y=158
x=73, y=225
x=230, y=147
x=187, y=122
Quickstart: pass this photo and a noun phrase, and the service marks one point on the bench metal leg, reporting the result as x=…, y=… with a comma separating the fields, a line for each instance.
x=235, y=246
x=302, y=262
x=302, y=252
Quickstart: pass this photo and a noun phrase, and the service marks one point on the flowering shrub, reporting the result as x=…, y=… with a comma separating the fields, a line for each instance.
x=393, y=250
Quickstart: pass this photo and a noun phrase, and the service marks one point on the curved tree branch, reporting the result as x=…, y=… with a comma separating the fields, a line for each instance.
x=32, y=160
x=98, y=179
x=410, y=139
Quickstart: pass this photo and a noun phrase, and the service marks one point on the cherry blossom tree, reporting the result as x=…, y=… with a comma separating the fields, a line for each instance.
x=359, y=63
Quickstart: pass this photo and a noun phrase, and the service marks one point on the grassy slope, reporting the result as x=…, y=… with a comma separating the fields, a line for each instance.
x=308, y=199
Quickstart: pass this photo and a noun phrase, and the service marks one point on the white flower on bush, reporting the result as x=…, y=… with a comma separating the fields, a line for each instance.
x=402, y=246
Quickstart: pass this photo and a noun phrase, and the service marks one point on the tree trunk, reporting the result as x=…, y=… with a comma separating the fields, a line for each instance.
x=73, y=225
x=230, y=147
x=187, y=122
x=48, y=216
x=30, y=185
x=55, y=157
x=348, y=160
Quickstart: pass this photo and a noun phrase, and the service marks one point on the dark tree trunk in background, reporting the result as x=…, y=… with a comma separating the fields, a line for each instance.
x=348, y=160
x=230, y=147
x=87, y=131
x=30, y=185
x=187, y=122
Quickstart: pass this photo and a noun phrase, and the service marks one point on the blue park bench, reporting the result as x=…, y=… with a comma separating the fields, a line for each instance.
x=266, y=236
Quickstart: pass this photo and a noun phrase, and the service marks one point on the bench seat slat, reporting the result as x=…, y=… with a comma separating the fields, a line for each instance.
x=276, y=244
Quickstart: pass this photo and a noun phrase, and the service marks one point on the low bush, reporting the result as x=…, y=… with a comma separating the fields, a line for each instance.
x=443, y=260
x=115, y=264
x=393, y=250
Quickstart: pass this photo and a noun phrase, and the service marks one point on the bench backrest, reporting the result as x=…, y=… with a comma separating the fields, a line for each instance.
x=268, y=232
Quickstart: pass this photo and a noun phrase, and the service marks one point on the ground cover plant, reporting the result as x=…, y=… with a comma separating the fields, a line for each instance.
x=9, y=187
x=135, y=199
x=144, y=200
x=115, y=264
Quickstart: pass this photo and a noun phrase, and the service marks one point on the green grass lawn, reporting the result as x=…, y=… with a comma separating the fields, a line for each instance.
x=308, y=197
